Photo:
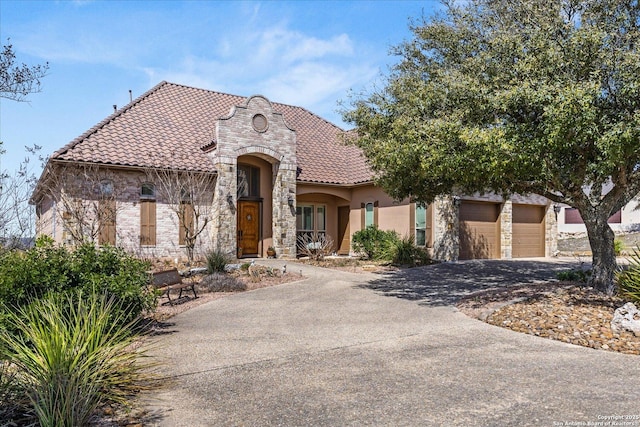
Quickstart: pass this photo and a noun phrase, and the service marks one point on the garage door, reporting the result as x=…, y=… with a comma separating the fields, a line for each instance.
x=479, y=230
x=528, y=231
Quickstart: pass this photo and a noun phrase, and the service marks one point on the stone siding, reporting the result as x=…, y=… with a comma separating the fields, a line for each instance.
x=236, y=136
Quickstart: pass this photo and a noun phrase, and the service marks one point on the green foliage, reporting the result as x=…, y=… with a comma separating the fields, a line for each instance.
x=376, y=244
x=32, y=274
x=245, y=266
x=618, y=246
x=484, y=99
x=574, y=275
x=405, y=252
x=629, y=279
x=216, y=261
x=14, y=400
x=73, y=354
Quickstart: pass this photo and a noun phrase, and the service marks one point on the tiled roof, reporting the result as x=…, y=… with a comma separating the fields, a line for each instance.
x=170, y=125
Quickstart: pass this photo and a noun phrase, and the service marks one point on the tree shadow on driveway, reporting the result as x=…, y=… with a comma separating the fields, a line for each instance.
x=444, y=284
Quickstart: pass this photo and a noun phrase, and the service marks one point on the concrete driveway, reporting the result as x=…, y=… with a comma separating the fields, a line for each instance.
x=345, y=349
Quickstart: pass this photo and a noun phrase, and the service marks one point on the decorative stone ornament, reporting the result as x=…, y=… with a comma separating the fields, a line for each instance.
x=626, y=318
x=260, y=123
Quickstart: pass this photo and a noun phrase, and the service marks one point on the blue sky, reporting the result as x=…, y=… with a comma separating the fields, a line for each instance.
x=305, y=53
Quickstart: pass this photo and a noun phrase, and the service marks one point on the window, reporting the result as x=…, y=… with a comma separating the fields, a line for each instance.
x=421, y=225
x=304, y=218
x=572, y=216
x=147, y=215
x=369, y=215
x=248, y=181
x=147, y=191
x=310, y=219
x=186, y=222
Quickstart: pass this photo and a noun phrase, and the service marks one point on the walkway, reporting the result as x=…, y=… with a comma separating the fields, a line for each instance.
x=340, y=349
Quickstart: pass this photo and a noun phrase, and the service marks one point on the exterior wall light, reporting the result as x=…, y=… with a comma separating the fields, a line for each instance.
x=232, y=207
x=456, y=201
x=556, y=208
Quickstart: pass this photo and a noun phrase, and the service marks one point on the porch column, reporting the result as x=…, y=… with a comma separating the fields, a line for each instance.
x=223, y=229
x=446, y=240
x=284, y=215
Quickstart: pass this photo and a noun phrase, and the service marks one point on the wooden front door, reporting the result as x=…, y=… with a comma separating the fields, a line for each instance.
x=248, y=227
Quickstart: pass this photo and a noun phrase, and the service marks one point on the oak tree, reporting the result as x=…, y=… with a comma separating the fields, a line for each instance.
x=526, y=96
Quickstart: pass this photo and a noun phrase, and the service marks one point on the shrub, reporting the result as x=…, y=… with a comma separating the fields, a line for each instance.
x=14, y=401
x=374, y=243
x=574, y=275
x=32, y=274
x=216, y=261
x=222, y=283
x=405, y=252
x=73, y=357
x=618, y=246
x=315, y=245
x=629, y=279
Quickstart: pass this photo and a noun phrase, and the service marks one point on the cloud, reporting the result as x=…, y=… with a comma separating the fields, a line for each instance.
x=292, y=46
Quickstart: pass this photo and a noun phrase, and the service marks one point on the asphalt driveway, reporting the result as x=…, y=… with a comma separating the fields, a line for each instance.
x=345, y=349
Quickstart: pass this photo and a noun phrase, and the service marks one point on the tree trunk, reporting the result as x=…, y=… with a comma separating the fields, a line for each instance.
x=604, y=266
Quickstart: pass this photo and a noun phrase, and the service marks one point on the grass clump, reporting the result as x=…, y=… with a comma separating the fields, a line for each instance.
x=216, y=261
x=71, y=357
x=629, y=279
x=403, y=251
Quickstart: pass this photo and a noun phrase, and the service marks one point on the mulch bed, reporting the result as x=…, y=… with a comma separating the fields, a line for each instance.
x=561, y=311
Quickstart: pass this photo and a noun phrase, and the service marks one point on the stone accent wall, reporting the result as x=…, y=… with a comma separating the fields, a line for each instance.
x=446, y=226
x=506, y=230
x=236, y=135
x=126, y=184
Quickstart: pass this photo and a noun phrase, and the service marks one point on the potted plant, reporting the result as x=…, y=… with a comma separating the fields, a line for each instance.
x=271, y=252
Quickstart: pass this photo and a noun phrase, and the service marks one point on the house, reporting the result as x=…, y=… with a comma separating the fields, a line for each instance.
x=265, y=174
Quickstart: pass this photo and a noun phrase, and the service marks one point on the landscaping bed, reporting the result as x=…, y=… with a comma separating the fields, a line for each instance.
x=562, y=311
x=215, y=286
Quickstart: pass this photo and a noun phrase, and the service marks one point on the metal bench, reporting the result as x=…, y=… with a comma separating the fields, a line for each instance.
x=170, y=280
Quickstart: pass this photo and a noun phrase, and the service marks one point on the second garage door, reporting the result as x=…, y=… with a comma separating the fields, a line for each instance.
x=528, y=231
x=479, y=230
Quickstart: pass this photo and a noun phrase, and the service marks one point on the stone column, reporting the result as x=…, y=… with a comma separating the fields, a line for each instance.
x=284, y=216
x=224, y=227
x=550, y=231
x=506, y=230
x=446, y=240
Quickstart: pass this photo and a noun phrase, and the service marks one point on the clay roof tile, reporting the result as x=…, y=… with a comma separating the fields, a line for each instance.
x=174, y=126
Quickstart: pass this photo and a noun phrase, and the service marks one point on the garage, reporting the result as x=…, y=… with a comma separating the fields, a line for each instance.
x=528, y=231
x=479, y=230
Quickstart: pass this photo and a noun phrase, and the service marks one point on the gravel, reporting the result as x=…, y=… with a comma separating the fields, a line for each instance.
x=562, y=311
